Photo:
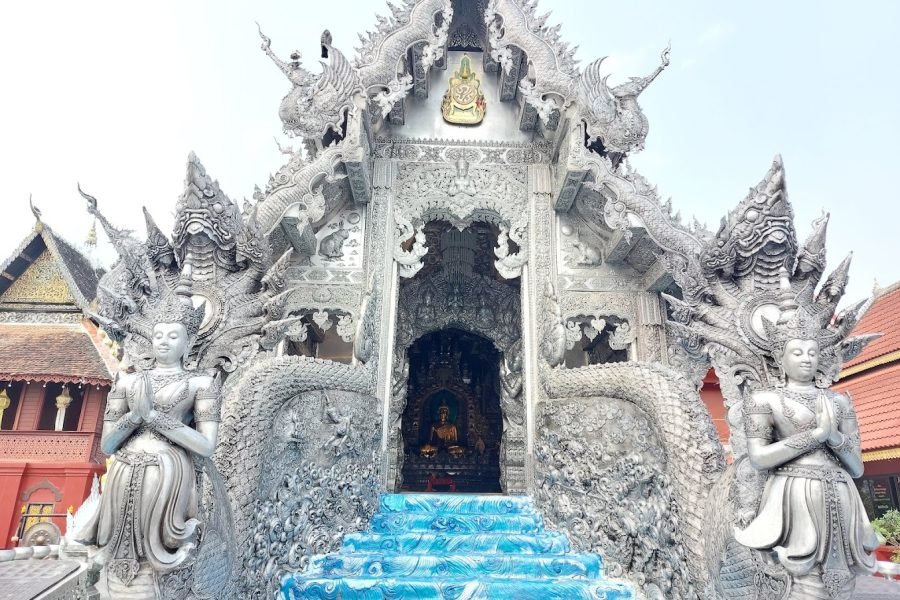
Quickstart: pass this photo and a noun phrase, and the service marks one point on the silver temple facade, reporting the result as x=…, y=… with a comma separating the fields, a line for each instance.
x=457, y=283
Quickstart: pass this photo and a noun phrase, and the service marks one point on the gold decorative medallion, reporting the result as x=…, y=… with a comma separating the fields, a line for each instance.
x=464, y=101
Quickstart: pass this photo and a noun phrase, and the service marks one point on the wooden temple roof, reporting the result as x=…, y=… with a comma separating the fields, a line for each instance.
x=873, y=378
x=72, y=267
x=54, y=352
x=46, y=290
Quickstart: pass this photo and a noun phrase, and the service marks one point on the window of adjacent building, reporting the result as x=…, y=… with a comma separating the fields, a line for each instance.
x=35, y=513
x=594, y=349
x=13, y=395
x=879, y=494
x=321, y=343
x=49, y=408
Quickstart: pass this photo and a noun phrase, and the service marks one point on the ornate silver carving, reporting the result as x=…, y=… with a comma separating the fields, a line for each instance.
x=600, y=478
x=316, y=103
x=261, y=401
x=219, y=256
x=693, y=461
x=147, y=546
x=731, y=297
x=613, y=116
x=448, y=151
x=462, y=194
x=322, y=483
x=480, y=305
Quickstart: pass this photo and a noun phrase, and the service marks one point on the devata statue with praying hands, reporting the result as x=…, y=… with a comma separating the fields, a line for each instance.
x=159, y=422
x=811, y=518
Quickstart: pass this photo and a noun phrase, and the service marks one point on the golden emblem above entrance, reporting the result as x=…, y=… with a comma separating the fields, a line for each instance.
x=464, y=101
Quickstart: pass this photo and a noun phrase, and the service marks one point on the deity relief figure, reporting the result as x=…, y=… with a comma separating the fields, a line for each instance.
x=462, y=182
x=464, y=101
x=811, y=518
x=158, y=423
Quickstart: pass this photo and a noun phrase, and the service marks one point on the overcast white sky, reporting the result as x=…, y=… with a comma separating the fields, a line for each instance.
x=115, y=95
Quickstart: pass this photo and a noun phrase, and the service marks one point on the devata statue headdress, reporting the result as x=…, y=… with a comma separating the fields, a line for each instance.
x=175, y=308
x=797, y=321
x=794, y=322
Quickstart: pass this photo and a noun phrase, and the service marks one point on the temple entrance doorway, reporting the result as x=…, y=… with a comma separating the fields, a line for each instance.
x=457, y=408
x=453, y=424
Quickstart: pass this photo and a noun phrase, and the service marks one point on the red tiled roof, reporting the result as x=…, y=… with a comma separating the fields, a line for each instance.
x=876, y=397
x=884, y=318
x=61, y=353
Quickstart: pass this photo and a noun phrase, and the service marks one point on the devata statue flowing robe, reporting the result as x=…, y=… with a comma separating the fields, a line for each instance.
x=811, y=514
x=148, y=508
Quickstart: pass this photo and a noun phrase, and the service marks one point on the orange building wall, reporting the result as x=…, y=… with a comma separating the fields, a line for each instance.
x=711, y=395
x=52, y=467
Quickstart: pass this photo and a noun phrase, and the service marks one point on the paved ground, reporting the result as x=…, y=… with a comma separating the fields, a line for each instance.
x=876, y=588
x=27, y=579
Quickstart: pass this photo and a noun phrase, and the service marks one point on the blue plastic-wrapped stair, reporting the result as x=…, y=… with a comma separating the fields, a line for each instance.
x=455, y=546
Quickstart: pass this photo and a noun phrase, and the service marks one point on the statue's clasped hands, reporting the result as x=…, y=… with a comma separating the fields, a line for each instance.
x=142, y=410
x=826, y=423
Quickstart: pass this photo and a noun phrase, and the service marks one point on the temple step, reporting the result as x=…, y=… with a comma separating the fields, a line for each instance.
x=457, y=503
x=376, y=588
x=462, y=546
x=453, y=543
x=410, y=522
x=584, y=566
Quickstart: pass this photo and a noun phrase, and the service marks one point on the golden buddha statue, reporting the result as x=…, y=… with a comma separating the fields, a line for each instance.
x=464, y=101
x=443, y=435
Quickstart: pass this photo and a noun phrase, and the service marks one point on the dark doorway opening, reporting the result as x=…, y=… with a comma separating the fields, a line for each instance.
x=453, y=423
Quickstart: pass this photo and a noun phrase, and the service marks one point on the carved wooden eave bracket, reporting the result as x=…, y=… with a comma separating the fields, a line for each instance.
x=420, y=28
x=514, y=27
x=629, y=205
x=294, y=194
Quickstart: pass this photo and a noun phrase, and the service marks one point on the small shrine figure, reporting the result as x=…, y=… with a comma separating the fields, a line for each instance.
x=811, y=518
x=464, y=101
x=443, y=436
x=462, y=183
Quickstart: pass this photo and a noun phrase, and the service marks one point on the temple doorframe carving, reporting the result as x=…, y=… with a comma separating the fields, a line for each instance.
x=505, y=210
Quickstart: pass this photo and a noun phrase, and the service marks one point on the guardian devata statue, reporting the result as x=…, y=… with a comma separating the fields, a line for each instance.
x=160, y=423
x=811, y=518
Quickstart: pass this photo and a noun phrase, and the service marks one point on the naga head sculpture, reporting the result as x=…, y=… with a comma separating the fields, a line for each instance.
x=612, y=115
x=754, y=275
x=758, y=238
x=205, y=218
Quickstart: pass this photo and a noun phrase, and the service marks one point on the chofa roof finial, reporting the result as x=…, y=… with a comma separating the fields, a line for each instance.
x=325, y=41
x=38, y=224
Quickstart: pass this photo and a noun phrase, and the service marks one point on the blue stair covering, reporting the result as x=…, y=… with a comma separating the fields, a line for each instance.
x=455, y=546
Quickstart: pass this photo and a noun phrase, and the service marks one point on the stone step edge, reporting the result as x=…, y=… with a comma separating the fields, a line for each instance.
x=579, y=557
x=523, y=498
x=301, y=578
x=534, y=556
x=540, y=535
x=553, y=588
x=437, y=514
x=488, y=509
